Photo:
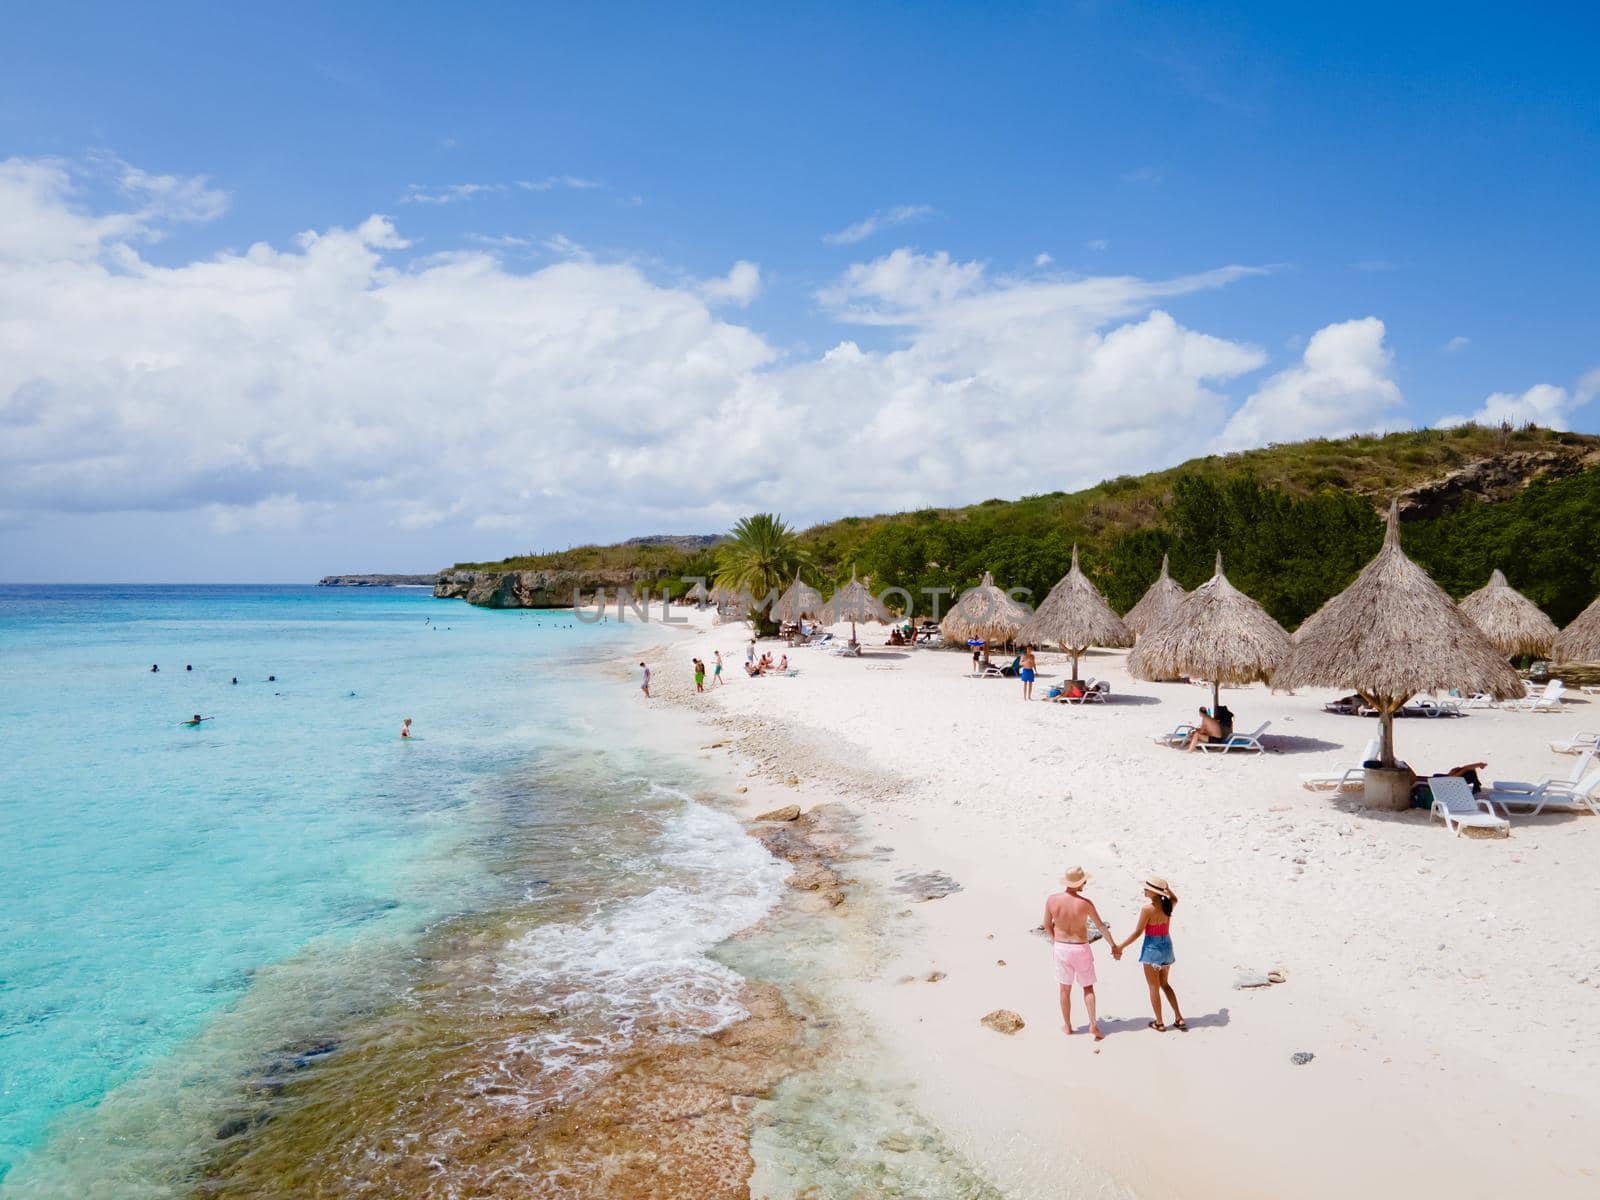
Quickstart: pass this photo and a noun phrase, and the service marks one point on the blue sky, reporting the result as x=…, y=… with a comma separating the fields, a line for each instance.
x=571, y=184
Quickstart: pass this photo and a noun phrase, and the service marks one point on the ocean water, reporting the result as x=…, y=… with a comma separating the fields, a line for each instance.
x=192, y=919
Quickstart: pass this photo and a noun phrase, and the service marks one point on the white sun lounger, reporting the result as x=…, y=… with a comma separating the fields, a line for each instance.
x=1439, y=708
x=1244, y=743
x=1458, y=808
x=1480, y=700
x=1590, y=689
x=1548, y=700
x=1338, y=781
x=1178, y=735
x=846, y=649
x=1578, y=792
x=1578, y=743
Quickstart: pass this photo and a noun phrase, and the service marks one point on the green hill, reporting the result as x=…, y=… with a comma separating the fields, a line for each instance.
x=1294, y=523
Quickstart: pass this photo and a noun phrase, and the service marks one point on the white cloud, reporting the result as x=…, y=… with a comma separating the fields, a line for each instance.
x=1542, y=404
x=449, y=194
x=1340, y=386
x=278, y=513
x=336, y=383
x=1097, y=244
x=1457, y=343
x=1042, y=259
x=876, y=223
x=452, y=193
x=739, y=286
x=552, y=182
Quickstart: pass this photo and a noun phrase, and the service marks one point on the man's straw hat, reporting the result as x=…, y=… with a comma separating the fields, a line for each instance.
x=1076, y=877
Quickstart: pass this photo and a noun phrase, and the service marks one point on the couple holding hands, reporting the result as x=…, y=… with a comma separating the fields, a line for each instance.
x=1066, y=922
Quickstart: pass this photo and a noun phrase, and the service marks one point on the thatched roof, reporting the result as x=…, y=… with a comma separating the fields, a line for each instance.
x=983, y=612
x=801, y=600
x=1512, y=622
x=698, y=592
x=1157, y=604
x=1216, y=633
x=1580, y=641
x=1393, y=634
x=854, y=602
x=1075, y=615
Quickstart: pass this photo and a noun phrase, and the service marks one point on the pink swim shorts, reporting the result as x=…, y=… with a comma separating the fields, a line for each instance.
x=1074, y=964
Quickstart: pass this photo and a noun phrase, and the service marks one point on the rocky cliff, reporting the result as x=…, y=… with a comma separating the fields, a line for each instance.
x=378, y=580
x=539, y=589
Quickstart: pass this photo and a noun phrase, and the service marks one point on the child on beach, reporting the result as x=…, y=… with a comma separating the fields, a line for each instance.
x=1029, y=665
x=1155, y=922
x=699, y=676
x=1066, y=923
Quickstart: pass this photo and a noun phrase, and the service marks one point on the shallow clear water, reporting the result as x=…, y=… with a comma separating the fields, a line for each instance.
x=180, y=908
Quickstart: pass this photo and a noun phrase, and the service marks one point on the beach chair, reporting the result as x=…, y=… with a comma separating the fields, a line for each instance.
x=1590, y=689
x=1455, y=805
x=1338, y=781
x=1177, y=737
x=1480, y=700
x=1578, y=743
x=1551, y=700
x=988, y=671
x=1429, y=707
x=1577, y=792
x=846, y=650
x=1244, y=743
x=1093, y=693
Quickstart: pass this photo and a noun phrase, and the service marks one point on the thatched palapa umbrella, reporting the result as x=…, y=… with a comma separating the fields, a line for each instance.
x=698, y=595
x=1075, y=616
x=1157, y=604
x=1509, y=619
x=1392, y=634
x=1217, y=633
x=984, y=612
x=854, y=602
x=801, y=600
x=1580, y=641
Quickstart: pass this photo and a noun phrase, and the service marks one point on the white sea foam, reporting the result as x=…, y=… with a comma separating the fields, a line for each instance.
x=639, y=966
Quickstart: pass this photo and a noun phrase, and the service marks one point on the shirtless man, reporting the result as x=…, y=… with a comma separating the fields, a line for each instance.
x=1066, y=920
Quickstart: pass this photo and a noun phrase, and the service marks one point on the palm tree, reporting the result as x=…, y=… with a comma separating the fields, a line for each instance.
x=760, y=555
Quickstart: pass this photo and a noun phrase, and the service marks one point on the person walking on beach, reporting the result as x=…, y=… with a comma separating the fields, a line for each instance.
x=1066, y=923
x=699, y=676
x=750, y=654
x=1155, y=922
x=645, y=686
x=716, y=671
x=1028, y=665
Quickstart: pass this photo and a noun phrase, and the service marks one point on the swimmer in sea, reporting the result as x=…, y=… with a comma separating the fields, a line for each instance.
x=188, y=667
x=405, y=726
x=272, y=679
x=193, y=722
x=154, y=668
x=235, y=679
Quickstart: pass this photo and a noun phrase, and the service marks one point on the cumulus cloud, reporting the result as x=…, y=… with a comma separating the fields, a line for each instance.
x=338, y=379
x=1542, y=404
x=1340, y=386
x=1457, y=343
x=452, y=193
x=738, y=287
x=876, y=223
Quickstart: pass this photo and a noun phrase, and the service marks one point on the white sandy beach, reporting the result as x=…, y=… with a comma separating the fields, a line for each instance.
x=1449, y=988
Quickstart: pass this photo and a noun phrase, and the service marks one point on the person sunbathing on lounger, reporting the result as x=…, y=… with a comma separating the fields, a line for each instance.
x=1213, y=729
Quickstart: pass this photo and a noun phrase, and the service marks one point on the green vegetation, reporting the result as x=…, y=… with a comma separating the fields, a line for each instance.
x=760, y=558
x=1294, y=522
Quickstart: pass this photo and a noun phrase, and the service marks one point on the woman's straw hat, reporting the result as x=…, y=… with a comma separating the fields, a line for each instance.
x=1158, y=885
x=1076, y=877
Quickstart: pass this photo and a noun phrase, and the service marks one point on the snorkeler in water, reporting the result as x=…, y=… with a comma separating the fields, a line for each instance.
x=195, y=721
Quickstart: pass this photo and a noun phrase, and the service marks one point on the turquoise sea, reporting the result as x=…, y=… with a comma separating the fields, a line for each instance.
x=189, y=914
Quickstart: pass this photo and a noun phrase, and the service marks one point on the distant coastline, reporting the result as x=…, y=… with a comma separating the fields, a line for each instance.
x=378, y=580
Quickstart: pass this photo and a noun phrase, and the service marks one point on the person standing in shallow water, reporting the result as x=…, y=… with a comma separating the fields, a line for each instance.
x=1155, y=922
x=405, y=728
x=645, y=686
x=1066, y=922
